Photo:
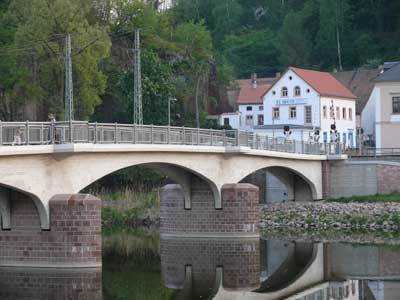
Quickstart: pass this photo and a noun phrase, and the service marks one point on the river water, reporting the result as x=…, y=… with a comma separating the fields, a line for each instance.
x=141, y=265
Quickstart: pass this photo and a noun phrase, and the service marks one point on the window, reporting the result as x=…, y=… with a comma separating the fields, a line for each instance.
x=344, y=115
x=261, y=107
x=292, y=112
x=297, y=91
x=344, y=138
x=284, y=92
x=275, y=112
x=350, y=114
x=308, y=114
x=249, y=108
x=226, y=121
x=308, y=91
x=325, y=135
x=324, y=112
x=396, y=104
x=273, y=92
x=337, y=113
x=249, y=120
x=260, y=120
x=290, y=77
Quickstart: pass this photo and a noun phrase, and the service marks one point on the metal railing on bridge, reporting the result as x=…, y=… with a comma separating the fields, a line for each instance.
x=370, y=152
x=42, y=133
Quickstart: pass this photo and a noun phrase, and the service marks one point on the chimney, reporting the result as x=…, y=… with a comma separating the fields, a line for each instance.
x=254, y=80
x=278, y=75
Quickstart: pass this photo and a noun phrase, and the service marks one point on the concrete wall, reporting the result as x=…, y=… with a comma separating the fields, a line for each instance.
x=239, y=215
x=352, y=178
x=74, y=238
x=362, y=261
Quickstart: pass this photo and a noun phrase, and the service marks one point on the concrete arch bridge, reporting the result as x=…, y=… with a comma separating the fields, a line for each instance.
x=49, y=161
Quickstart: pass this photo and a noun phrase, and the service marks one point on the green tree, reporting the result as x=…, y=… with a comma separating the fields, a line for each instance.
x=40, y=28
x=252, y=51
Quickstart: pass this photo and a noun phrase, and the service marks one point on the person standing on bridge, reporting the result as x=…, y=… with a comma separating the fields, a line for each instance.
x=17, y=137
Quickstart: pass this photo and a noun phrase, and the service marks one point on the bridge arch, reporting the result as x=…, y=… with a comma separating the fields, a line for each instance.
x=180, y=174
x=6, y=197
x=298, y=186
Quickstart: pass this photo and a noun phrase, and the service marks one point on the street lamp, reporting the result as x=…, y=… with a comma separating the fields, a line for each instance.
x=169, y=109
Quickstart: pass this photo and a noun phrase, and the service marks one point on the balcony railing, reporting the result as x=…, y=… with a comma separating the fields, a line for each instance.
x=42, y=133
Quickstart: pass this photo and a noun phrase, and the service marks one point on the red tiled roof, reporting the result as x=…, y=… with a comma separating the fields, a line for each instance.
x=324, y=83
x=252, y=95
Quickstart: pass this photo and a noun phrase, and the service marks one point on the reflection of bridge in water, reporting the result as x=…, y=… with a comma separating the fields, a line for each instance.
x=274, y=269
x=236, y=269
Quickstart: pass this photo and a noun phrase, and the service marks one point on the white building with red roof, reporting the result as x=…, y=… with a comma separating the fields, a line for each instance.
x=306, y=104
x=249, y=103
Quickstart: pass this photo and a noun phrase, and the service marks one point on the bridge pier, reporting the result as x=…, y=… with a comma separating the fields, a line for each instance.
x=5, y=212
x=238, y=217
x=194, y=265
x=74, y=238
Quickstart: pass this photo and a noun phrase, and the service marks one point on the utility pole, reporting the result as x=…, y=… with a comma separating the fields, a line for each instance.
x=69, y=91
x=137, y=84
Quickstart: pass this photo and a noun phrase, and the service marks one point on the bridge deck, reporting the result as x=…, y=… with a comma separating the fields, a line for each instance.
x=55, y=133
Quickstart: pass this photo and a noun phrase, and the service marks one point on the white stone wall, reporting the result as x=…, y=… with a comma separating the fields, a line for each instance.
x=234, y=120
x=256, y=109
x=344, y=126
x=308, y=96
x=368, y=115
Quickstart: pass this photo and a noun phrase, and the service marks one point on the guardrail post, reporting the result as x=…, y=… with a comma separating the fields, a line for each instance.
x=27, y=132
x=169, y=134
x=95, y=133
x=71, y=132
x=198, y=136
x=211, y=136
x=184, y=135
x=41, y=133
x=115, y=133
x=151, y=134
x=237, y=138
x=134, y=134
x=224, y=138
x=1, y=133
x=88, y=132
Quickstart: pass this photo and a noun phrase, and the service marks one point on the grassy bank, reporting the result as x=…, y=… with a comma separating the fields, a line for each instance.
x=129, y=207
x=368, y=199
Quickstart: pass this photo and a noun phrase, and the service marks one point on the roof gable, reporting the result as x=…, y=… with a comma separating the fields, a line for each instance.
x=252, y=95
x=324, y=83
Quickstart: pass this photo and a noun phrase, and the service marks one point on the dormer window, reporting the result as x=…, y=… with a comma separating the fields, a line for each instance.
x=284, y=92
x=297, y=91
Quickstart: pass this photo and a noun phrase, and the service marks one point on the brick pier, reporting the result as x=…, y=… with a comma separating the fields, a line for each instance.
x=37, y=283
x=74, y=238
x=239, y=215
x=239, y=260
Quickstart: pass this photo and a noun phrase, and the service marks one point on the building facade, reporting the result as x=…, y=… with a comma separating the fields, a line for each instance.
x=380, y=118
x=309, y=105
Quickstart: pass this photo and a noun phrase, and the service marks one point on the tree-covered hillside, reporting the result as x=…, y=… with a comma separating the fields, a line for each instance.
x=191, y=52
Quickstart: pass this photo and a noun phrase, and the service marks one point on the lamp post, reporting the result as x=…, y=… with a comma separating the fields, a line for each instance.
x=169, y=109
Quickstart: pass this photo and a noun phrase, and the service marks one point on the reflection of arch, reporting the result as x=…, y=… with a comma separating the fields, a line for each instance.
x=296, y=264
x=6, y=195
x=180, y=174
x=291, y=178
